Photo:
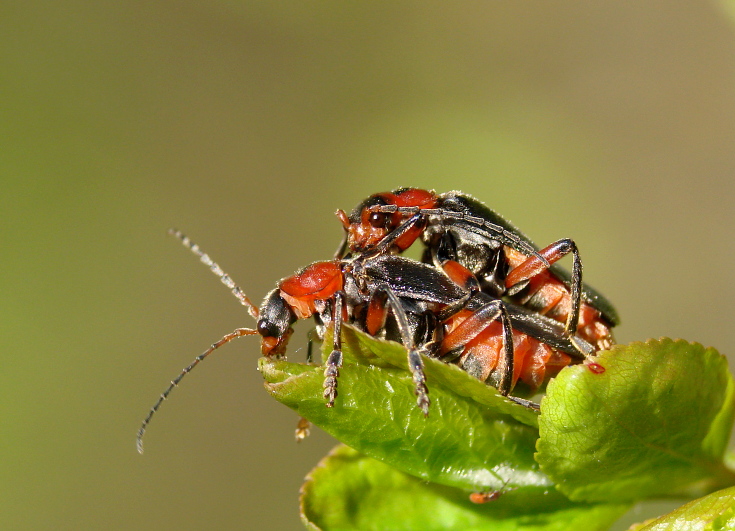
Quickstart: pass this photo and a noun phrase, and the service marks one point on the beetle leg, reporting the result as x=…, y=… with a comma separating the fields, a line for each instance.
x=334, y=361
x=463, y=277
x=474, y=325
x=404, y=234
x=526, y=403
x=311, y=337
x=415, y=365
x=504, y=236
x=492, y=230
x=552, y=253
x=460, y=275
x=376, y=313
x=407, y=231
x=340, y=252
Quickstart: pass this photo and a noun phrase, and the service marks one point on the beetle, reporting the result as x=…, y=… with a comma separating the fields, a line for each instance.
x=456, y=226
x=314, y=289
x=493, y=340
x=432, y=313
x=321, y=289
x=443, y=314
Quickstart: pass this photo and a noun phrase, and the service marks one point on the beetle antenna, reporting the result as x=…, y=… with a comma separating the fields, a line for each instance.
x=217, y=270
x=239, y=332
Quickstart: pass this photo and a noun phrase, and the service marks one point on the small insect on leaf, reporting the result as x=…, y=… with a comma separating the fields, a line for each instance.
x=485, y=497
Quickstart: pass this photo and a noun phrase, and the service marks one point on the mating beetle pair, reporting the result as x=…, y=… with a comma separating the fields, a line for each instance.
x=455, y=226
x=449, y=307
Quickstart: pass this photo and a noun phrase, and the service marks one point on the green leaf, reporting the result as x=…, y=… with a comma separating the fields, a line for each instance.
x=655, y=421
x=471, y=439
x=364, y=349
x=715, y=512
x=348, y=491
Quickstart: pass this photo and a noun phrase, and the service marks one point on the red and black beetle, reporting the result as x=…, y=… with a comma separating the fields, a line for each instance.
x=432, y=314
x=455, y=226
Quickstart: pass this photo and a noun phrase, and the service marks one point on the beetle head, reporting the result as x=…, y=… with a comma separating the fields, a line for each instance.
x=274, y=324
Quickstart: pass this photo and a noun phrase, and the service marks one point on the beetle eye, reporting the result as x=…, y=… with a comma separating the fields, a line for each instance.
x=264, y=329
x=377, y=219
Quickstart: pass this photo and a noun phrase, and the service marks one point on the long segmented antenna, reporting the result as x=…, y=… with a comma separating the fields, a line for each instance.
x=239, y=332
x=217, y=270
x=505, y=236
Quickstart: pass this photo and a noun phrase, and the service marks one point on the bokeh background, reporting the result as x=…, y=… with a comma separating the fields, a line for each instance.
x=246, y=124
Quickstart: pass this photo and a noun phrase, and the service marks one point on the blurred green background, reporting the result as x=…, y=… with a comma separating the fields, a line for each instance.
x=246, y=124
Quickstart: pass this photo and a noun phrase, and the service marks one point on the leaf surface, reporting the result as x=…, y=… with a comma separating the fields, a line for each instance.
x=348, y=491
x=472, y=438
x=655, y=421
x=715, y=512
